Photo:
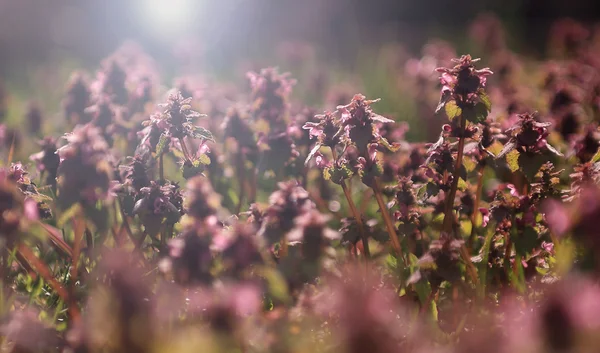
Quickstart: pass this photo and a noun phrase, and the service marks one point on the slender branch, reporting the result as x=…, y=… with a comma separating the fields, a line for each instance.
x=391, y=228
x=358, y=218
x=449, y=221
x=355, y=213
x=476, y=206
x=448, y=213
x=507, y=253
x=161, y=168
x=241, y=171
x=184, y=149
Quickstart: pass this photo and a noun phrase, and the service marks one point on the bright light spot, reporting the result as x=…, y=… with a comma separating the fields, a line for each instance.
x=166, y=17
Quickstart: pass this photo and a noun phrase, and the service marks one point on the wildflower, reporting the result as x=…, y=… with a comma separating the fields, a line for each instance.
x=285, y=204
x=26, y=333
x=77, y=100
x=372, y=324
x=189, y=259
x=463, y=90
x=236, y=126
x=568, y=37
x=158, y=202
x=277, y=151
x=225, y=308
x=270, y=92
x=121, y=308
x=239, y=249
x=136, y=172
x=488, y=32
x=359, y=123
x=85, y=171
x=34, y=203
x=11, y=211
x=10, y=138
x=201, y=202
x=587, y=146
x=34, y=119
x=528, y=136
x=176, y=121
x=442, y=259
x=111, y=81
x=326, y=130
x=312, y=232
x=47, y=160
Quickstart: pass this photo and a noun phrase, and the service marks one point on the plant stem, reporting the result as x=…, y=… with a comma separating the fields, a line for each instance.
x=448, y=213
x=387, y=219
x=184, y=149
x=507, y=253
x=161, y=168
x=241, y=171
x=357, y=216
x=448, y=224
x=476, y=207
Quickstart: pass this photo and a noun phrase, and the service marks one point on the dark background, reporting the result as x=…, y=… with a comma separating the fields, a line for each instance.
x=35, y=31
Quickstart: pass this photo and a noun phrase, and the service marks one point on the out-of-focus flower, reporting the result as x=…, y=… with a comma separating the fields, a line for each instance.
x=26, y=332
x=312, y=233
x=567, y=37
x=189, y=260
x=77, y=100
x=111, y=81
x=488, y=32
x=34, y=119
x=157, y=202
x=120, y=311
x=365, y=314
x=47, y=160
x=239, y=249
x=201, y=201
x=85, y=170
x=285, y=204
x=270, y=93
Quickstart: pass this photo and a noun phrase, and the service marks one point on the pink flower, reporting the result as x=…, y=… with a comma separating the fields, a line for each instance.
x=557, y=217
x=31, y=209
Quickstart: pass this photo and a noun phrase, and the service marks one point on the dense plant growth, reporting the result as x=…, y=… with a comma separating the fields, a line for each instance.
x=211, y=218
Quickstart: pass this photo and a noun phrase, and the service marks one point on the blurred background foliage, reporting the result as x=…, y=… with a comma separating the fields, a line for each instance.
x=43, y=41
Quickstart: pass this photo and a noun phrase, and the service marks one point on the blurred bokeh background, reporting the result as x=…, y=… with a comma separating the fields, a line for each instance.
x=362, y=46
x=38, y=31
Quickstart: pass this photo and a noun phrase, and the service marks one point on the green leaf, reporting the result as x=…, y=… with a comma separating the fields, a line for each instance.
x=432, y=189
x=469, y=164
x=276, y=284
x=485, y=99
x=327, y=173
x=390, y=146
x=476, y=114
x=203, y=159
x=162, y=144
x=199, y=132
x=596, y=157
x=70, y=213
x=337, y=175
x=462, y=184
x=512, y=158
x=483, y=266
x=526, y=241
x=452, y=110
x=531, y=164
